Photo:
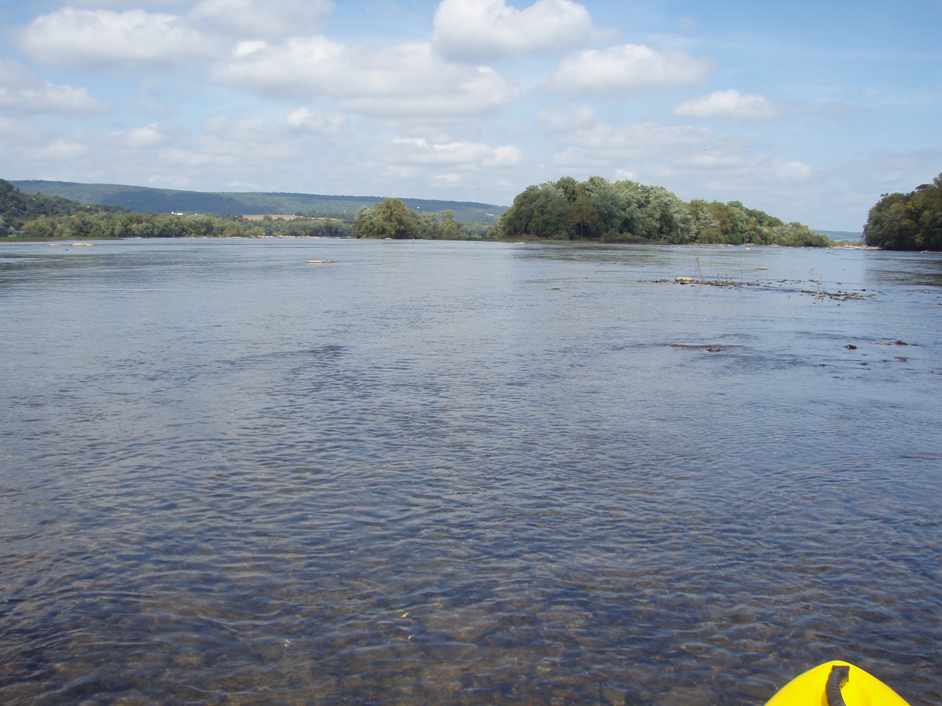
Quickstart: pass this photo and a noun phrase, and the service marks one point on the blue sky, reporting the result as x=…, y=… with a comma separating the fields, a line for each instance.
x=807, y=110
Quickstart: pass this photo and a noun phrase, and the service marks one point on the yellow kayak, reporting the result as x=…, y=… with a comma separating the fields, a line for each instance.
x=836, y=684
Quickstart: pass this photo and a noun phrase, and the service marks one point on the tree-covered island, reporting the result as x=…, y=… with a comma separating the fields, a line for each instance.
x=910, y=221
x=626, y=211
x=600, y=210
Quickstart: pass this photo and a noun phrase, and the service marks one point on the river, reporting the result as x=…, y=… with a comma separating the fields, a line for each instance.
x=465, y=473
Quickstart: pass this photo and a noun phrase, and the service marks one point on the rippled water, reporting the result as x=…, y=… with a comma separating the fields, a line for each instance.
x=464, y=473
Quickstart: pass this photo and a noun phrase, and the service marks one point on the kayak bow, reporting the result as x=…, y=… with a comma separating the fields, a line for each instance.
x=836, y=684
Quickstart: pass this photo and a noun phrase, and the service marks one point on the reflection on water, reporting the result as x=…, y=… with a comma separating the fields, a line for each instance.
x=463, y=473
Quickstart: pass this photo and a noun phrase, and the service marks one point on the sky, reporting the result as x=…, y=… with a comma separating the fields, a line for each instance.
x=808, y=110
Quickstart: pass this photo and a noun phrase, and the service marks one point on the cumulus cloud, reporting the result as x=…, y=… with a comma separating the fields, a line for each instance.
x=580, y=127
x=687, y=157
x=728, y=104
x=125, y=3
x=484, y=29
x=627, y=67
x=61, y=150
x=98, y=37
x=405, y=79
x=569, y=119
x=263, y=18
x=457, y=154
x=23, y=92
x=146, y=136
x=448, y=179
x=793, y=171
x=311, y=121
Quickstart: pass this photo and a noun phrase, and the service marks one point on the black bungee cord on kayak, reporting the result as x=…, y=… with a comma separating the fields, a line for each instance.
x=836, y=679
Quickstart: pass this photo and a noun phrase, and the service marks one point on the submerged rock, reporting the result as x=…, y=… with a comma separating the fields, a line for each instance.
x=708, y=347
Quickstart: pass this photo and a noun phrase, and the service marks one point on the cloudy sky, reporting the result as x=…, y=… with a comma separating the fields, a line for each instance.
x=809, y=110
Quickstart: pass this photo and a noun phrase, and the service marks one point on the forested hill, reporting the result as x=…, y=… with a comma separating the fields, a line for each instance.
x=16, y=207
x=149, y=200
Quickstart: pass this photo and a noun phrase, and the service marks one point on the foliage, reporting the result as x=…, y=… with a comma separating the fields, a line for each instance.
x=102, y=226
x=393, y=219
x=908, y=221
x=388, y=219
x=49, y=217
x=597, y=209
x=16, y=207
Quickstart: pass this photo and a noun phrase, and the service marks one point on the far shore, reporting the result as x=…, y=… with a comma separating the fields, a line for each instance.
x=837, y=245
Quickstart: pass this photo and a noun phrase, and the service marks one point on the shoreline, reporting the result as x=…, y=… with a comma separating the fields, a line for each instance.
x=504, y=241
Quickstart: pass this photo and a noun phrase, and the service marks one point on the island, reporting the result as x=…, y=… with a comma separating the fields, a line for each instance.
x=910, y=221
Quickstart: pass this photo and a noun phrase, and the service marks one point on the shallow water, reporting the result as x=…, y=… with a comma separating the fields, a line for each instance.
x=459, y=473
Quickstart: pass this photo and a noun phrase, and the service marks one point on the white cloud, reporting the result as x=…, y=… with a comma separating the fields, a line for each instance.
x=473, y=155
x=99, y=37
x=728, y=104
x=690, y=158
x=626, y=67
x=189, y=158
x=793, y=171
x=484, y=29
x=247, y=48
x=22, y=92
x=263, y=18
x=147, y=136
x=448, y=179
x=125, y=3
x=405, y=79
x=308, y=120
x=247, y=147
x=61, y=150
x=581, y=128
x=715, y=160
x=568, y=119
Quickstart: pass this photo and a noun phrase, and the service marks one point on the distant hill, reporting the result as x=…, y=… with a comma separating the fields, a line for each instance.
x=148, y=200
x=845, y=235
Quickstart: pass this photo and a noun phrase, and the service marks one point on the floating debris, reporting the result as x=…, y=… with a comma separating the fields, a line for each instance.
x=850, y=347
x=321, y=262
x=768, y=286
x=898, y=342
x=708, y=347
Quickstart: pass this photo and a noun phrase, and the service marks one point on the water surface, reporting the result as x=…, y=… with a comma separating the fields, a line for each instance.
x=459, y=473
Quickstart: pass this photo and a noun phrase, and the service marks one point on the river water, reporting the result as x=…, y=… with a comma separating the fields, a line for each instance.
x=464, y=473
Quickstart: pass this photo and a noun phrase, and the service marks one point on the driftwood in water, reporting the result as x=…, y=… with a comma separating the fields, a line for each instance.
x=769, y=286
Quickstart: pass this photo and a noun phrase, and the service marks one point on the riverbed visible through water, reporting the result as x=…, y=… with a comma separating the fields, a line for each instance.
x=465, y=473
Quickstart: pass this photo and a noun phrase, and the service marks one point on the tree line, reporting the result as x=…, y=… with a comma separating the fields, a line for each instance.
x=391, y=218
x=910, y=221
x=17, y=208
x=39, y=217
x=597, y=209
x=103, y=226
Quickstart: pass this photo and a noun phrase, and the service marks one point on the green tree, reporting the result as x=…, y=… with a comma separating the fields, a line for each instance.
x=387, y=219
x=908, y=221
x=627, y=210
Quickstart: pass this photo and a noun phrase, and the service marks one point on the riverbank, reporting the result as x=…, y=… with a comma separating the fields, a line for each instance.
x=520, y=240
